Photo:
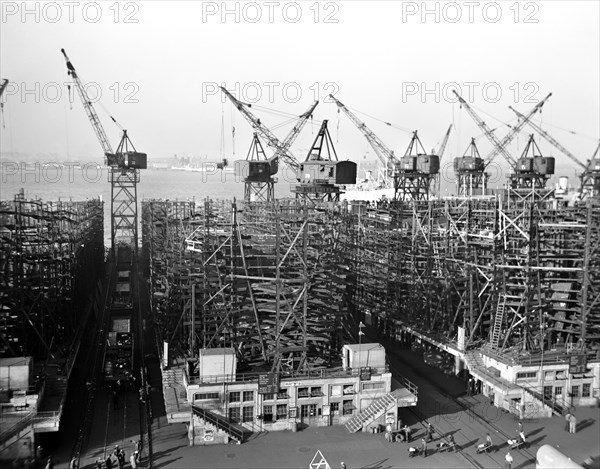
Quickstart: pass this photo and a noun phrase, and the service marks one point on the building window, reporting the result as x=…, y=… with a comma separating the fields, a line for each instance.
x=316, y=391
x=335, y=408
x=549, y=375
x=303, y=392
x=234, y=414
x=347, y=408
x=269, y=397
x=206, y=395
x=348, y=389
x=575, y=391
x=527, y=375
x=547, y=392
x=585, y=391
x=372, y=386
x=281, y=411
x=561, y=374
x=248, y=415
x=283, y=394
x=248, y=396
x=268, y=413
x=303, y=411
x=558, y=391
x=234, y=396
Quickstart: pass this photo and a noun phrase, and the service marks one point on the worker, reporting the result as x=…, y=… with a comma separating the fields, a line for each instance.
x=508, y=460
x=451, y=441
x=572, y=424
x=488, y=441
x=132, y=461
x=429, y=431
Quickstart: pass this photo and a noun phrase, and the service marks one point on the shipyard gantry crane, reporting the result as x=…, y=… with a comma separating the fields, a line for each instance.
x=123, y=172
x=471, y=170
x=590, y=175
x=412, y=175
x=321, y=174
x=258, y=170
x=386, y=156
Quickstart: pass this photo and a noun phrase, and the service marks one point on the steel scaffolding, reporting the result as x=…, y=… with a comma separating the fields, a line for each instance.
x=51, y=256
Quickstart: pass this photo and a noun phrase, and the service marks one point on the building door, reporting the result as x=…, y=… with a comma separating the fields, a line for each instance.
x=308, y=413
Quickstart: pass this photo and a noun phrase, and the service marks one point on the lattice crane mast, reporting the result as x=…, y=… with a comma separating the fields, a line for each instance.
x=385, y=155
x=123, y=173
x=281, y=148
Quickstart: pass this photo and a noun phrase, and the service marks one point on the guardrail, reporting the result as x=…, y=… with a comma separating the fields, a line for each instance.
x=219, y=422
x=253, y=377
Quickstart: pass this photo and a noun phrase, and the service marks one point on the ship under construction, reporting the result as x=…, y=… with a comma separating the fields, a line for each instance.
x=259, y=309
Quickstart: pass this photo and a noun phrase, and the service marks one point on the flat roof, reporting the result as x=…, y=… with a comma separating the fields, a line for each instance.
x=217, y=351
x=363, y=347
x=14, y=361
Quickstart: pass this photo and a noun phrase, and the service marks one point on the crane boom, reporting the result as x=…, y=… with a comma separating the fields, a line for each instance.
x=516, y=129
x=549, y=138
x=444, y=143
x=385, y=155
x=3, y=86
x=281, y=148
x=91, y=113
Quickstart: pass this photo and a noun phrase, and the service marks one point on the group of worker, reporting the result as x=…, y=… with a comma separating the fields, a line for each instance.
x=120, y=458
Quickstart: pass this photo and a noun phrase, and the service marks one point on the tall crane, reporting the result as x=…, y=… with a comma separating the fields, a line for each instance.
x=589, y=172
x=124, y=171
x=385, y=155
x=281, y=148
x=468, y=167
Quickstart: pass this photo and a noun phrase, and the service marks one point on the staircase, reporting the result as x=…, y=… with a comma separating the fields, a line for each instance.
x=172, y=377
x=236, y=432
x=474, y=361
x=371, y=413
x=497, y=330
x=549, y=405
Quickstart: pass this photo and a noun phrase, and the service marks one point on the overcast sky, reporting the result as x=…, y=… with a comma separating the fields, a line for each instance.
x=157, y=65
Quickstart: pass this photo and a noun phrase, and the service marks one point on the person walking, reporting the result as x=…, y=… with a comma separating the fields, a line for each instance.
x=519, y=427
x=132, y=461
x=343, y=465
x=572, y=424
x=74, y=464
x=423, y=447
x=121, y=459
x=508, y=460
x=429, y=431
x=567, y=421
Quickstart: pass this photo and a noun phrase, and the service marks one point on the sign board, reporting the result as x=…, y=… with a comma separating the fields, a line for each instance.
x=577, y=364
x=293, y=412
x=209, y=435
x=390, y=418
x=291, y=384
x=319, y=462
x=326, y=410
x=365, y=374
x=268, y=383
